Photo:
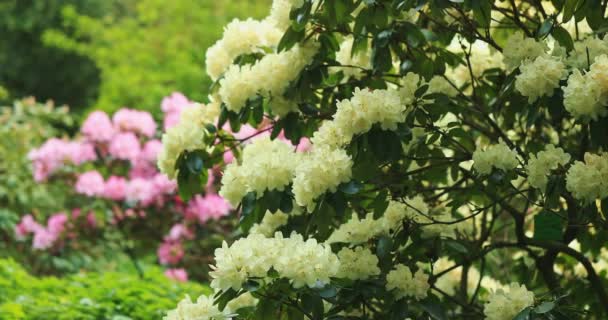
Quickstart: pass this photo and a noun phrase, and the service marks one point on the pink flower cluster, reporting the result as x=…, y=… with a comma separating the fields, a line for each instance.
x=124, y=145
x=130, y=120
x=172, y=106
x=44, y=237
x=56, y=153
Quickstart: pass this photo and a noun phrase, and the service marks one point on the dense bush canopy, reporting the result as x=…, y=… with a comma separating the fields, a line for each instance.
x=108, y=295
x=457, y=168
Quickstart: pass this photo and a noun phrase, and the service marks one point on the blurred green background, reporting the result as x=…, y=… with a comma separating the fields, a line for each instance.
x=105, y=54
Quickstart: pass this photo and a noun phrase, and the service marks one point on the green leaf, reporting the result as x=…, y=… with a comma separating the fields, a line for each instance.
x=272, y=199
x=381, y=59
x=251, y=285
x=313, y=305
x=547, y=226
x=351, y=187
x=384, y=246
x=544, y=307
x=563, y=38
x=456, y=246
x=569, y=8
x=289, y=39
x=328, y=291
x=434, y=309
x=222, y=300
x=286, y=202
x=482, y=12
x=194, y=161
x=248, y=203
x=523, y=315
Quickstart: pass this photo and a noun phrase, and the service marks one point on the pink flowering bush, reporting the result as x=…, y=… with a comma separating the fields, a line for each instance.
x=121, y=200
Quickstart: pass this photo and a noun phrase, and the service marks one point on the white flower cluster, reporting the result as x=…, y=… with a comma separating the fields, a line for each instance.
x=352, y=64
x=267, y=165
x=240, y=37
x=397, y=212
x=320, y=170
x=403, y=284
x=497, y=155
x=586, y=96
x=303, y=262
x=589, y=180
x=408, y=86
x=356, y=230
x=279, y=12
x=505, y=304
x=482, y=58
x=439, y=84
x=540, y=166
x=357, y=264
x=520, y=48
x=269, y=77
x=540, y=77
x=358, y=114
x=586, y=51
x=202, y=309
x=450, y=282
x=187, y=135
x=270, y=223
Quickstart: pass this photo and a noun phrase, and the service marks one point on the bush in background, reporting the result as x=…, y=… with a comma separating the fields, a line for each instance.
x=107, y=295
x=157, y=48
x=26, y=124
x=29, y=67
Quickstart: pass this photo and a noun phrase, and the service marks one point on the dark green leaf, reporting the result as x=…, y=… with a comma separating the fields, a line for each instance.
x=547, y=226
x=544, y=307
x=351, y=187
x=563, y=38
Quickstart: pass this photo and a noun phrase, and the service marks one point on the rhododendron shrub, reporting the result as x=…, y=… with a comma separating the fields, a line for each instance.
x=457, y=164
x=119, y=197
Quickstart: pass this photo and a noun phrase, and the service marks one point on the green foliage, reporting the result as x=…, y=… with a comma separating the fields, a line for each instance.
x=157, y=47
x=107, y=295
x=29, y=67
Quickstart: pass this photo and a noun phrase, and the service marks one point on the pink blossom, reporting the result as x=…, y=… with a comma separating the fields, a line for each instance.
x=141, y=168
x=43, y=239
x=56, y=223
x=171, y=119
x=90, y=183
x=125, y=146
x=211, y=206
x=26, y=226
x=170, y=253
x=91, y=220
x=151, y=150
x=55, y=153
x=173, y=106
x=115, y=188
x=245, y=132
x=228, y=156
x=134, y=121
x=81, y=152
x=141, y=190
x=175, y=102
x=98, y=127
x=163, y=184
x=178, y=232
x=76, y=213
x=304, y=145
x=179, y=275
